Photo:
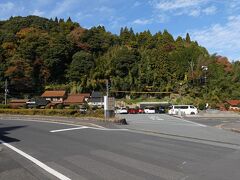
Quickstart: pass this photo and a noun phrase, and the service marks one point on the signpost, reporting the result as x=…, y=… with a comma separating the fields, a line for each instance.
x=109, y=107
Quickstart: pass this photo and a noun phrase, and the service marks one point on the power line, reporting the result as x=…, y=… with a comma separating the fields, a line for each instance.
x=140, y=92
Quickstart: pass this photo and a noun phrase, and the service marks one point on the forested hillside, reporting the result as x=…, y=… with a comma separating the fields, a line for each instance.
x=38, y=53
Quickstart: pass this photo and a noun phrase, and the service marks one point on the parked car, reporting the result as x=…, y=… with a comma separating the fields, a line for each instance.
x=160, y=110
x=37, y=103
x=132, y=111
x=149, y=110
x=140, y=111
x=121, y=110
x=183, y=109
x=83, y=110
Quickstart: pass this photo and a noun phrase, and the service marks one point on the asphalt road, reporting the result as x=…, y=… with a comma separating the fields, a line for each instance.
x=100, y=153
x=214, y=121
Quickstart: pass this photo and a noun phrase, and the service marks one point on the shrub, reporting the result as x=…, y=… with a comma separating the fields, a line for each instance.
x=201, y=106
x=59, y=106
x=73, y=106
x=227, y=106
x=4, y=106
x=99, y=113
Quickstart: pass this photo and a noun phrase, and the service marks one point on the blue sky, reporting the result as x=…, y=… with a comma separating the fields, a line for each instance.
x=214, y=24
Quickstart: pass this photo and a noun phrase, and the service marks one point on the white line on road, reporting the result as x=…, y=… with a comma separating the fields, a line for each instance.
x=87, y=127
x=37, y=162
x=193, y=123
x=155, y=118
x=69, y=129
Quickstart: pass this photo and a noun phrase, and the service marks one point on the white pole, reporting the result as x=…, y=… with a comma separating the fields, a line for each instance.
x=6, y=91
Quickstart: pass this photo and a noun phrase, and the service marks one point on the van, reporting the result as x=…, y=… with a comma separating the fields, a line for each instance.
x=183, y=110
x=149, y=110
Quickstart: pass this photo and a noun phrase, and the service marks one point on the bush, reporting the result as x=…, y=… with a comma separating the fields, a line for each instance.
x=99, y=113
x=227, y=106
x=59, y=106
x=202, y=106
x=48, y=112
x=73, y=106
x=4, y=106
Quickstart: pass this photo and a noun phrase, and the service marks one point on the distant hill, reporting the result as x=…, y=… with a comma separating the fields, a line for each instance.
x=37, y=52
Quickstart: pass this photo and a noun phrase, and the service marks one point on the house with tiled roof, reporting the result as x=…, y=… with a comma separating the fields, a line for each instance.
x=86, y=96
x=234, y=104
x=74, y=99
x=96, y=99
x=17, y=103
x=55, y=96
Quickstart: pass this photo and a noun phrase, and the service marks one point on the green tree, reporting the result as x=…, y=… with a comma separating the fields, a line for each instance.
x=80, y=66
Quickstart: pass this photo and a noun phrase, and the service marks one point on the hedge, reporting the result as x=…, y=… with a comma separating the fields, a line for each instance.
x=53, y=112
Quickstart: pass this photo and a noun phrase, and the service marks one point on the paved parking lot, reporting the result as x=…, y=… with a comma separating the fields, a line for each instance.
x=170, y=125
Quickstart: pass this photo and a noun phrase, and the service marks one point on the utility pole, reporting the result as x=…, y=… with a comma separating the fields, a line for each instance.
x=106, y=114
x=191, y=64
x=6, y=91
x=205, y=69
x=107, y=87
x=109, y=103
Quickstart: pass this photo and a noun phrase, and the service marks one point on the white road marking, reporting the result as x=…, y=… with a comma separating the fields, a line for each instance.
x=87, y=127
x=37, y=162
x=193, y=123
x=155, y=118
x=69, y=129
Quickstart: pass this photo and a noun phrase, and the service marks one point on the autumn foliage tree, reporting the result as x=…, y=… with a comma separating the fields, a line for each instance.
x=36, y=52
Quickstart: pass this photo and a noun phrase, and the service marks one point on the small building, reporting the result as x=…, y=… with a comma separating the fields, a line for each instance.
x=96, y=99
x=234, y=105
x=74, y=99
x=17, y=103
x=86, y=96
x=55, y=96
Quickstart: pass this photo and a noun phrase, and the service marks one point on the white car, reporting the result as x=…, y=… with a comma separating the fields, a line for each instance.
x=121, y=111
x=149, y=110
x=183, y=110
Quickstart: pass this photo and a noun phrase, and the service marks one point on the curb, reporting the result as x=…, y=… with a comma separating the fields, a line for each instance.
x=221, y=126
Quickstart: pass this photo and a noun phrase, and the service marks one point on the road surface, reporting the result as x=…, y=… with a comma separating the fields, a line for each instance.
x=40, y=150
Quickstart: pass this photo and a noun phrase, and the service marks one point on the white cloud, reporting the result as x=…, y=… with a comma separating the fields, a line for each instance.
x=9, y=9
x=210, y=10
x=221, y=38
x=7, y=6
x=143, y=21
x=193, y=8
x=37, y=12
x=104, y=9
x=167, y=5
x=6, y=10
x=195, y=12
x=161, y=18
x=64, y=7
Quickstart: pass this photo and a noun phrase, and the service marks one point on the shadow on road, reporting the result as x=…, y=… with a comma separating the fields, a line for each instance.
x=4, y=131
